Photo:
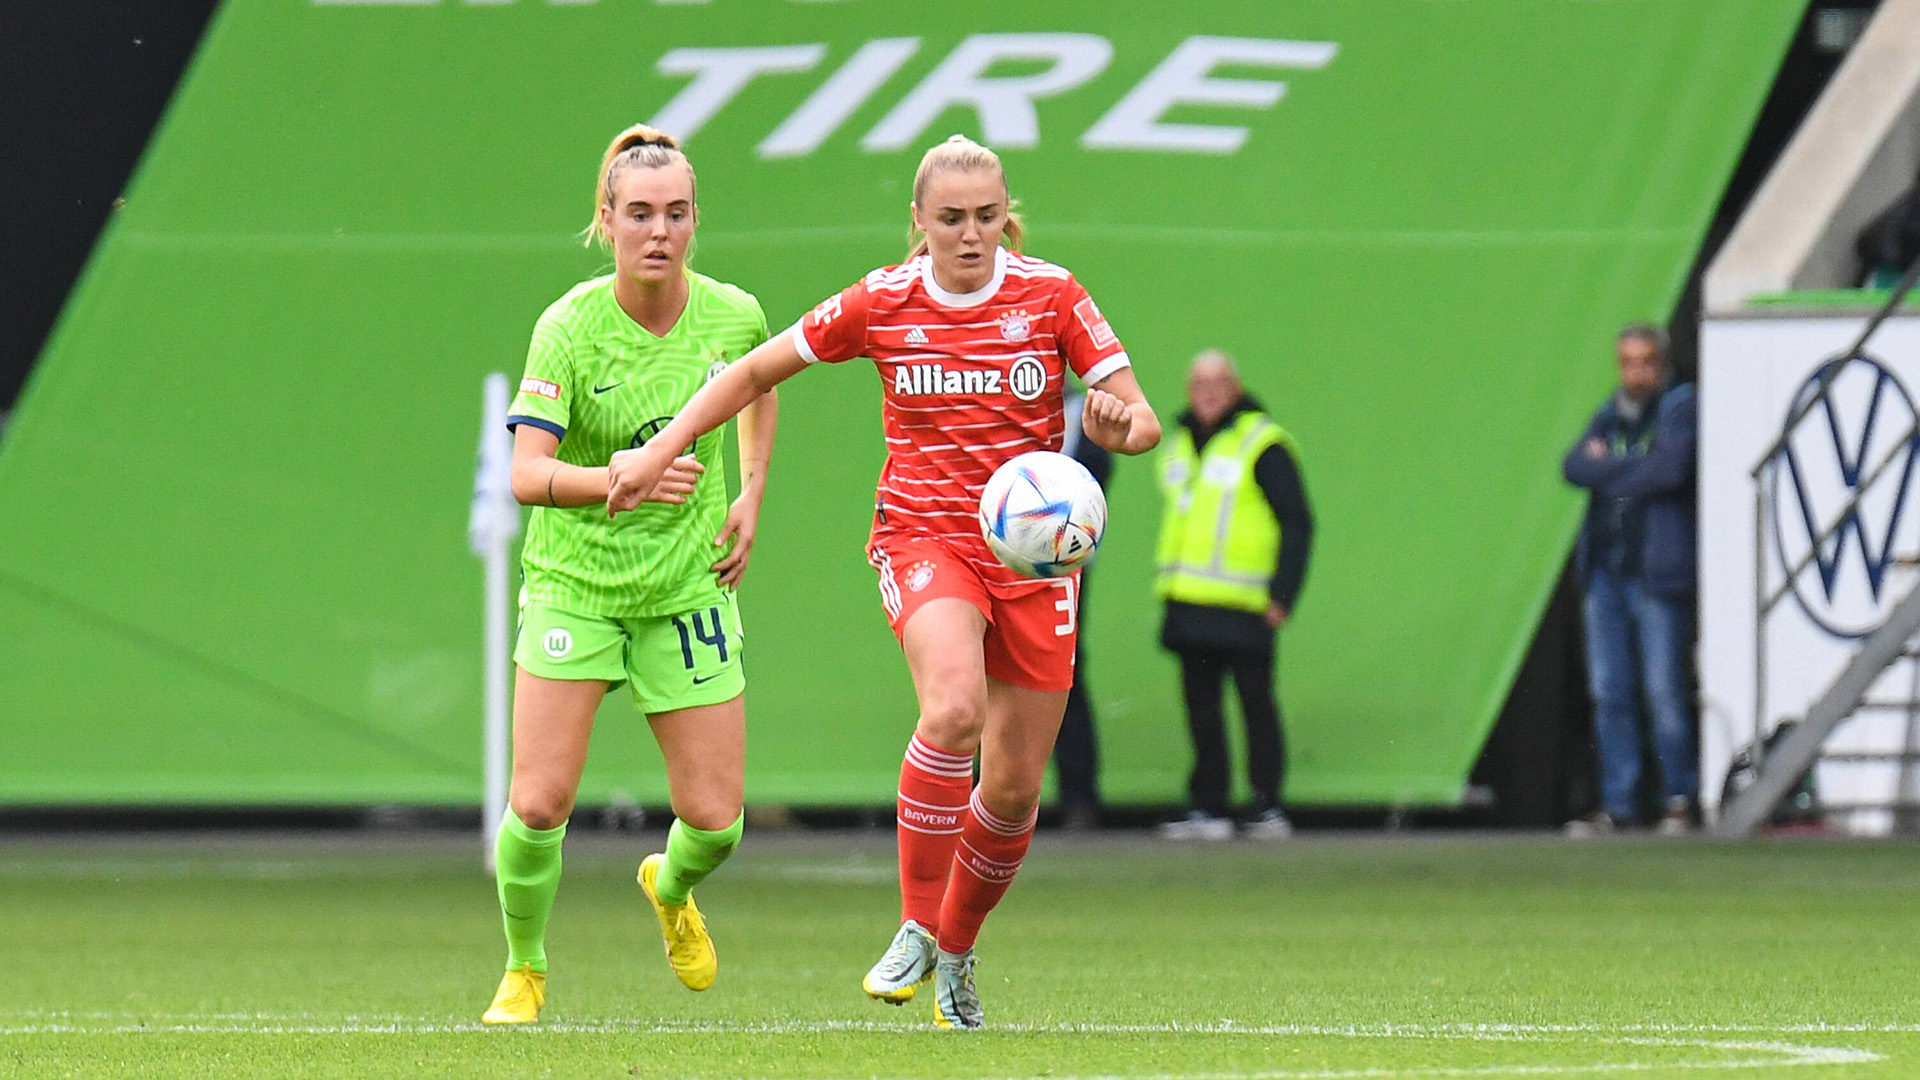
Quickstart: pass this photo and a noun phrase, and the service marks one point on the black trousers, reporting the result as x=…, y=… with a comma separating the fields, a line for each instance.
x=1203, y=673
x=1076, y=753
x=1076, y=756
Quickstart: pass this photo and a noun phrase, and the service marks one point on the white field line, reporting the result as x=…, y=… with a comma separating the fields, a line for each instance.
x=67, y=1022
x=1771, y=1054
x=243, y=1022
x=1793, y=1055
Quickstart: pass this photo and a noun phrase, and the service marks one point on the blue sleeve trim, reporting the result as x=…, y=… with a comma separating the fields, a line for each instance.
x=544, y=425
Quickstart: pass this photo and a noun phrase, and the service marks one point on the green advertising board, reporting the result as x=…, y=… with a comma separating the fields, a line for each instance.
x=233, y=499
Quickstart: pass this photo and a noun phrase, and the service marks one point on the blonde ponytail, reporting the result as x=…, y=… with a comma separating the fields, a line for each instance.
x=961, y=154
x=638, y=146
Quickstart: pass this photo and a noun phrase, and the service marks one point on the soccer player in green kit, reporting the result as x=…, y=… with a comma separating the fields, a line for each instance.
x=639, y=598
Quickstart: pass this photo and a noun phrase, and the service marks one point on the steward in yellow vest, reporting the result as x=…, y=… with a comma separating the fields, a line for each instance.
x=1220, y=537
x=1232, y=493
x=1235, y=536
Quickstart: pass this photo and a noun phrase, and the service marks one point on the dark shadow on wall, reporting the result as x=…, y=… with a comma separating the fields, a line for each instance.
x=1539, y=762
x=82, y=85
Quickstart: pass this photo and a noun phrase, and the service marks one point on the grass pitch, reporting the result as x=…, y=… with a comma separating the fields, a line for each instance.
x=1326, y=958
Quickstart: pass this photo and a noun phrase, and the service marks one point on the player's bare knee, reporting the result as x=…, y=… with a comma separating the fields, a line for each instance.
x=541, y=810
x=708, y=815
x=953, y=722
x=1009, y=801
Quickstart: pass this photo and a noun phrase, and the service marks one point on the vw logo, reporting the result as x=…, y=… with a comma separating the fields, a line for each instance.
x=648, y=430
x=1849, y=554
x=651, y=428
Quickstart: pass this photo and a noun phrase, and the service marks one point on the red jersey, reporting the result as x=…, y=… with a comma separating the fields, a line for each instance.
x=970, y=381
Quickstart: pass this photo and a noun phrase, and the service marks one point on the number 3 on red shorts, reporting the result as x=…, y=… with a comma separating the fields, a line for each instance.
x=1068, y=605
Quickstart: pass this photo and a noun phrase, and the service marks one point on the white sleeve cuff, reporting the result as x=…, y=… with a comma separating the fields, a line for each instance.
x=1106, y=367
x=800, y=345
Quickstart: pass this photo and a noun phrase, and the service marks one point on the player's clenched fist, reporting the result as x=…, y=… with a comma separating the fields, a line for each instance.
x=1106, y=420
x=634, y=477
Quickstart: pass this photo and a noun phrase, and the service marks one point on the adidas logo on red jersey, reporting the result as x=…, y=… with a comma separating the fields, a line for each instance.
x=916, y=336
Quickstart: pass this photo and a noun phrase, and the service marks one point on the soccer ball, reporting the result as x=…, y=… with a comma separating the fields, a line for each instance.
x=1043, y=514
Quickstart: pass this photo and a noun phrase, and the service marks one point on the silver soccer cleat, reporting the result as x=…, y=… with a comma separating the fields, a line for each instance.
x=907, y=963
x=955, y=1003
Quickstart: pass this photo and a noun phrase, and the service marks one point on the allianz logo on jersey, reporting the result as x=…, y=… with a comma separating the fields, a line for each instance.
x=1056, y=65
x=1026, y=380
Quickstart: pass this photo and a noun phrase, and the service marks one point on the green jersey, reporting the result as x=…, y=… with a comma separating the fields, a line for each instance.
x=602, y=383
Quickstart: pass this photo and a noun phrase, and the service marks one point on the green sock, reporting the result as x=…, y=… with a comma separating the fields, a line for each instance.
x=692, y=854
x=526, y=866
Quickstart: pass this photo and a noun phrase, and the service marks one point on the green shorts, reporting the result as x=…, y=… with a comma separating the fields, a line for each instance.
x=673, y=662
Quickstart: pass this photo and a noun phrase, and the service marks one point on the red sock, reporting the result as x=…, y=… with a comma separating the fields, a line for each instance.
x=933, y=799
x=983, y=866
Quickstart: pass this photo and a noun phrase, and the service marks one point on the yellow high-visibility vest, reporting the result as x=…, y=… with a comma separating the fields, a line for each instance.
x=1219, y=540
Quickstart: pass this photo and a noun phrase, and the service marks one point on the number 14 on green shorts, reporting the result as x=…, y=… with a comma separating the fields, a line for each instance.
x=672, y=661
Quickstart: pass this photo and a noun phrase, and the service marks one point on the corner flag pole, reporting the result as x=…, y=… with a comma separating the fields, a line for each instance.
x=492, y=526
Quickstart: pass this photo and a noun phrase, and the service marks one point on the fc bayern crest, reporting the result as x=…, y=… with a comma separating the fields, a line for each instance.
x=920, y=576
x=1014, y=326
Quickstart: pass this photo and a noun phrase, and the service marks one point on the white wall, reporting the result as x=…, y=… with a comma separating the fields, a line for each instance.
x=1752, y=369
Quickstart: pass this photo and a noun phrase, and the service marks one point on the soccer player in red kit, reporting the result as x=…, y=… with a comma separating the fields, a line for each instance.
x=972, y=342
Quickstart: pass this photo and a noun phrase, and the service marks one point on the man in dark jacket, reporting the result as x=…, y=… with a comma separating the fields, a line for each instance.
x=1234, y=539
x=1636, y=561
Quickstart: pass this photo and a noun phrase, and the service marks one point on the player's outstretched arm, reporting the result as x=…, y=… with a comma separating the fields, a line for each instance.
x=758, y=422
x=540, y=479
x=1117, y=417
x=632, y=472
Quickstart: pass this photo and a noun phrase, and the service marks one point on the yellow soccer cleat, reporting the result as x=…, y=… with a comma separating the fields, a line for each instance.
x=522, y=992
x=690, y=950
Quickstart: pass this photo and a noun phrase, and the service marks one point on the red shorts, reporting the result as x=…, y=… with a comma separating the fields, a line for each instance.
x=1030, y=636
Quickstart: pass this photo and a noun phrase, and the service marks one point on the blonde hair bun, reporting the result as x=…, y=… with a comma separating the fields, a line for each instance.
x=639, y=146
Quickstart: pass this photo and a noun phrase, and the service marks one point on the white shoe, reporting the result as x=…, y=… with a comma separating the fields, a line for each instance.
x=1678, y=820
x=1198, y=825
x=1597, y=824
x=1269, y=824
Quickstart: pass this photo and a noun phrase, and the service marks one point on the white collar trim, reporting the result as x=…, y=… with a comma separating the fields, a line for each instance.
x=978, y=296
